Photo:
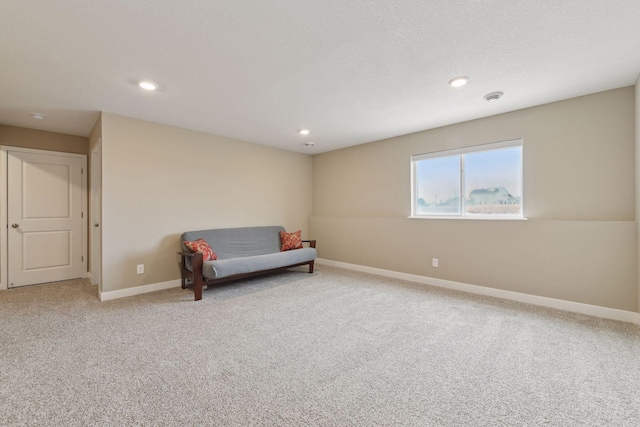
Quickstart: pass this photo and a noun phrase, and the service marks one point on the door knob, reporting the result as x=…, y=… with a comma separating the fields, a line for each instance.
x=96, y=225
x=15, y=225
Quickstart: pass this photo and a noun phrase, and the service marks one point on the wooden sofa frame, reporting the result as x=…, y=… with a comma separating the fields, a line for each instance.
x=196, y=281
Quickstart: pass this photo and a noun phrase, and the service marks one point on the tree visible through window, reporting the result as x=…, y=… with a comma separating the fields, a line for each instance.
x=476, y=181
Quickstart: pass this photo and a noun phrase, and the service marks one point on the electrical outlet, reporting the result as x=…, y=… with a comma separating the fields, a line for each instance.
x=434, y=262
x=140, y=269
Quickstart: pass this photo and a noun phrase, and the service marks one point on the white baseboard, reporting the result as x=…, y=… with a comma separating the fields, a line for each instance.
x=137, y=290
x=575, y=307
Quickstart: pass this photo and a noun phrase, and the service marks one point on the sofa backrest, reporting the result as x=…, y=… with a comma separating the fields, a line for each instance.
x=239, y=242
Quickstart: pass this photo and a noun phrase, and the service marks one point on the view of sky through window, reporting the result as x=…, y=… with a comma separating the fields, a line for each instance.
x=495, y=168
x=439, y=184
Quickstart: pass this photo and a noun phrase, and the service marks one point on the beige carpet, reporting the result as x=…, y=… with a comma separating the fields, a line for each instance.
x=334, y=348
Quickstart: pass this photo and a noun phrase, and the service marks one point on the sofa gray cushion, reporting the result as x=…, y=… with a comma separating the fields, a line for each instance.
x=239, y=242
x=229, y=267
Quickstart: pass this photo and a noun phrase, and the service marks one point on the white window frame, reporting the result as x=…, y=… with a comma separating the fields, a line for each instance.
x=461, y=152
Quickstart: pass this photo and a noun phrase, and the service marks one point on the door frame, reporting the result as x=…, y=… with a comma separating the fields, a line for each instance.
x=4, y=190
x=95, y=215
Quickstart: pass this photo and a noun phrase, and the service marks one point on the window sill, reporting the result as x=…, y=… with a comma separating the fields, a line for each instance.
x=472, y=218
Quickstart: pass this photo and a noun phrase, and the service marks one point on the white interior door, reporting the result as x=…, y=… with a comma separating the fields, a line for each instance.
x=44, y=217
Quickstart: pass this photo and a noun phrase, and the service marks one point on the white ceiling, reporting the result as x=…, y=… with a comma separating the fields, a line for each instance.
x=352, y=71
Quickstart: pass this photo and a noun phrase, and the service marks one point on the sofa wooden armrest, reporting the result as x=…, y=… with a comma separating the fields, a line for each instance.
x=195, y=274
x=312, y=243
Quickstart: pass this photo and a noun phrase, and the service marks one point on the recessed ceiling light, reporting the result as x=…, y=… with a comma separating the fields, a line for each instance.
x=304, y=132
x=459, y=81
x=147, y=86
x=309, y=144
x=38, y=116
x=493, y=97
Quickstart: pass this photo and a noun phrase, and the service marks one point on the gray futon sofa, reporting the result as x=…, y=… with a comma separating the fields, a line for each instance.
x=242, y=252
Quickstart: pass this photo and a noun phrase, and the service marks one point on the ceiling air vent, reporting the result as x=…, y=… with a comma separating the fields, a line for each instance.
x=493, y=96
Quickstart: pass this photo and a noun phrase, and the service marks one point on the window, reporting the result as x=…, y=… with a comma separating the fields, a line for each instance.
x=482, y=181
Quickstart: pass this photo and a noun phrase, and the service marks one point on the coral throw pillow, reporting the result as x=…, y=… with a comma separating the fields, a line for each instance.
x=290, y=240
x=203, y=247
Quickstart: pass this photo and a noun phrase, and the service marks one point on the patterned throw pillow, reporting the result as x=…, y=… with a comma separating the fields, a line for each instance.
x=290, y=240
x=203, y=247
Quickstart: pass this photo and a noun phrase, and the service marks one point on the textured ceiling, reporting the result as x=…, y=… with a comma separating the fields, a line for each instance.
x=351, y=71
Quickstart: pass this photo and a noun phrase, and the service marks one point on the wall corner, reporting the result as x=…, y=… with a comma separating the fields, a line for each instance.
x=637, y=164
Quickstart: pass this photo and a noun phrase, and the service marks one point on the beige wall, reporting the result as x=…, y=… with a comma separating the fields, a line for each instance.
x=96, y=133
x=42, y=140
x=580, y=241
x=159, y=181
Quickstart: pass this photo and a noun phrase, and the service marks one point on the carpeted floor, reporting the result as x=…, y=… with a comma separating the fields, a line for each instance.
x=335, y=348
